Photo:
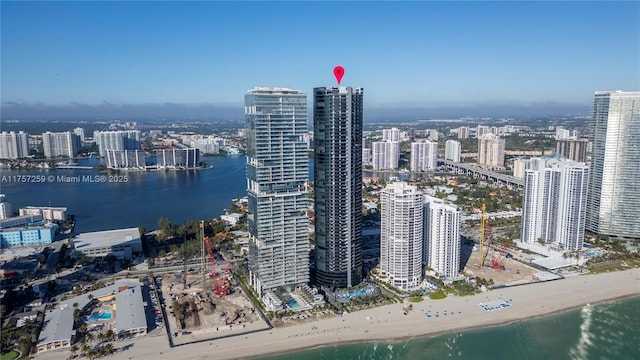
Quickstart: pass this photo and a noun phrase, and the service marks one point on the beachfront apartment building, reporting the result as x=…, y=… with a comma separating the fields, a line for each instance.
x=424, y=156
x=401, y=235
x=14, y=145
x=441, y=249
x=124, y=296
x=614, y=183
x=452, y=150
x=277, y=173
x=554, y=202
x=337, y=119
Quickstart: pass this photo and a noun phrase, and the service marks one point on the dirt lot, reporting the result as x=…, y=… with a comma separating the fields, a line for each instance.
x=514, y=272
x=207, y=315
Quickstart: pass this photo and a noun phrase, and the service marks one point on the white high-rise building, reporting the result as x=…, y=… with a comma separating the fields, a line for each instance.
x=63, y=144
x=554, y=203
x=424, y=156
x=5, y=208
x=125, y=159
x=452, y=150
x=481, y=130
x=401, y=235
x=614, y=183
x=392, y=135
x=385, y=155
x=463, y=132
x=519, y=166
x=378, y=155
x=491, y=151
x=14, y=145
x=80, y=132
x=117, y=140
x=441, y=250
x=366, y=157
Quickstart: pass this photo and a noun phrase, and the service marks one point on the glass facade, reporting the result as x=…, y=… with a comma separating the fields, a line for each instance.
x=614, y=182
x=277, y=172
x=337, y=118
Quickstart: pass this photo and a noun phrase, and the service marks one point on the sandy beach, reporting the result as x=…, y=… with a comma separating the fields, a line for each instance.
x=389, y=322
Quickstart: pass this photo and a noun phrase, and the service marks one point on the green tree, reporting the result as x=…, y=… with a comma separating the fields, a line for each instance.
x=74, y=349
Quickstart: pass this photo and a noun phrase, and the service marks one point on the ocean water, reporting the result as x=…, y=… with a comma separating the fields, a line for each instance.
x=602, y=331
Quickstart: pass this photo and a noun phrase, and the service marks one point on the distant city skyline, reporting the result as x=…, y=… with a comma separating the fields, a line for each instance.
x=420, y=58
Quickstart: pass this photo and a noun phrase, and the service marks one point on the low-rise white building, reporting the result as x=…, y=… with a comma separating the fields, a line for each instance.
x=121, y=243
x=232, y=219
x=47, y=212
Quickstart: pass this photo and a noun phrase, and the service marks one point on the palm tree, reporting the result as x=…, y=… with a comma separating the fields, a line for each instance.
x=111, y=335
x=76, y=314
x=102, y=337
x=85, y=349
x=109, y=349
x=74, y=349
x=90, y=337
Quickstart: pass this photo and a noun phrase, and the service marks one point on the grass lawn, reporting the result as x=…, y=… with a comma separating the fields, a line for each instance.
x=615, y=265
x=9, y=356
x=437, y=295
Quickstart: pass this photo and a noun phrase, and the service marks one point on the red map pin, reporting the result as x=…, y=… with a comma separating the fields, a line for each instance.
x=338, y=71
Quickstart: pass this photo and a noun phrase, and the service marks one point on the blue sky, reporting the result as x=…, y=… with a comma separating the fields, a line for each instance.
x=402, y=53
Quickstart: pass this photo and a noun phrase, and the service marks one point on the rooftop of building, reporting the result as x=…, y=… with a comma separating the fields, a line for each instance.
x=130, y=309
x=43, y=208
x=58, y=326
x=58, y=323
x=101, y=239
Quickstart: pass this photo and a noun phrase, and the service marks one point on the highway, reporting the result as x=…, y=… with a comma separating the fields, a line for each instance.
x=482, y=173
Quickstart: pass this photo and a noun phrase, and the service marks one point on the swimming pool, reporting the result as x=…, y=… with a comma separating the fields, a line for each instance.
x=106, y=315
x=293, y=303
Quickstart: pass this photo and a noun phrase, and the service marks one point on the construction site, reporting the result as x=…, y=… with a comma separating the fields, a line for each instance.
x=207, y=304
x=497, y=262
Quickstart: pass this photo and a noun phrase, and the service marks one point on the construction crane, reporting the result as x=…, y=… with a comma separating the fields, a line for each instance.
x=212, y=268
x=497, y=258
x=484, y=222
x=221, y=286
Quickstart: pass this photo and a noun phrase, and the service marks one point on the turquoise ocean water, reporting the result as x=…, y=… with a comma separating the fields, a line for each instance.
x=602, y=331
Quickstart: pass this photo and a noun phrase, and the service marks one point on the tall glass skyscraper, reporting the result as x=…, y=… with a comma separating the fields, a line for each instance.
x=337, y=119
x=614, y=179
x=277, y=172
